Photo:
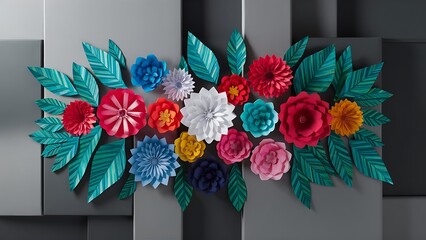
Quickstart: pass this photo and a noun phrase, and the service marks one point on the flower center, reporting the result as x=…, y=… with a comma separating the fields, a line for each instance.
x=190, y=147
x=209, y=115
x=154, y=161
x=122, y=112
x=178, y=85
x=271, y=158
x=269, y=75
x=165, y=116
x=302, y=119
x=233, y=90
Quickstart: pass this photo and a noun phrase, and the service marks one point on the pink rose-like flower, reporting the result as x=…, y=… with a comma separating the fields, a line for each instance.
x=270, y=160
x=234, y=147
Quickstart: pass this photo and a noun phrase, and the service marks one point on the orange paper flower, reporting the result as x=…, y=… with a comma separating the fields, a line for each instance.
x=188, y=148
x=346, y=117
x=164, y=115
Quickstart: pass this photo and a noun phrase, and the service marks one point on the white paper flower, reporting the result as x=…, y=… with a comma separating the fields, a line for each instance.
x=178, y=84
x=208, y=115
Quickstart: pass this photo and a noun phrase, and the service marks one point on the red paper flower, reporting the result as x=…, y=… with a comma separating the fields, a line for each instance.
x=270, y=76
x=236, y=89
x=122, y=113
x=78, y=118
x=304, y=119
x=164, y=115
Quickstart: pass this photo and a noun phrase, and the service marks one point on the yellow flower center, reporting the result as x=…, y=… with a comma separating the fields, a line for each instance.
x=165, y=116
x=233, y=90
x=346, y=117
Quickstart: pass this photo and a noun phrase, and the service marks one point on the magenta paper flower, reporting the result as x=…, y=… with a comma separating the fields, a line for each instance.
x=270, y=160
x=234, y=147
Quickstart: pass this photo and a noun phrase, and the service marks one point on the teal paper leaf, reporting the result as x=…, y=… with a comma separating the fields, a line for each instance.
x=237, y=190
x=182, y=64
x=182, y=189
x=116, y=53
x=316, y=71
x=51, y=105
x=51, y=150
x=340, y=158
x=85, y=84
x=202, y=60
x=54, y=81
x=129, y=187
x=368, y=161
x=46, y=137
x=107, y=168
x=77, y=166
x=374, y=97
x=236, y=52
x=343, y=70
x=105, y=67
x=295, y=52
x=368, y=136
x=319, y=152
x=301, y=185
x=50, y=124
x=67, y=151
x=360, y=81
x=311, y=166
x=374, y=118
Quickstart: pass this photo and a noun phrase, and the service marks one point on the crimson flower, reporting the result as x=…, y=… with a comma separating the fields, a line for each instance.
x=236, y=89
x=78, y=118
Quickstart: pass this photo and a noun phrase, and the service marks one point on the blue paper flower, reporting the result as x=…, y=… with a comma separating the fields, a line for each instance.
x=259, y=118
x=153, y=161
x=148, y=72
x=207, y=175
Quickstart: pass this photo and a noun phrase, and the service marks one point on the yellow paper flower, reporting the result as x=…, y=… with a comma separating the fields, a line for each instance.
x=346, y=117
x=188, y=148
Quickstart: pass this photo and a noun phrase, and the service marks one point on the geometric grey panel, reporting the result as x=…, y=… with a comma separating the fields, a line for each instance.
x=109, y=228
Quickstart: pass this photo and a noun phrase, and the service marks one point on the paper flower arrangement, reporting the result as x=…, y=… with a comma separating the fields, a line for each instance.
x=306, y=121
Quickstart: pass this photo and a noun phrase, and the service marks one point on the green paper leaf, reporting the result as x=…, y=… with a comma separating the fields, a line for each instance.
x=374, y=97
x=236, y=52
x=67, y=151
x=77, y=166
x=51, y=105
x=105, y=67
x=85, y=84
x=129, y=187
x=107, y=168
x=301, y=185
x=319, y=152
x=360, y=81
x=182, y=64
x=54, y=81
x=368, y=161
x=202, y=60
x=368, y=136
x=237, y=190
x=340, y=158
x=50, y=124
x=51, y=150
x=311, y=166
x=316, y=71
x=182, y=189
x=116, y=53
x=46, y=137
x=343, y=70
x=295, y=52
x=374, y=118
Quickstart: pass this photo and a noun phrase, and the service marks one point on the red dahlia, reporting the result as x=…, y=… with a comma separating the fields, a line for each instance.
x=236, y=89
x=270, y=76
x=78, y=118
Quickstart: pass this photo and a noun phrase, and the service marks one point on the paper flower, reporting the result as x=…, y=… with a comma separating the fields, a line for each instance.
x=207, y=175
x=270, y=76
x=188, y=148
x=346, y=117
x=304, y=119
x=122, y=113
x=78, y=118
x=164, y=115
x=270, y=160
x=148, y=72
x=236, y=89
x=207, y=115
x=259, y=118
x=178, y=84
x=234, y=147
x=153, y=161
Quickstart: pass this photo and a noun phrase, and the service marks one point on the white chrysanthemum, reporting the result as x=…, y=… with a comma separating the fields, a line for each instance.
x=208, y=115
x=178, y=84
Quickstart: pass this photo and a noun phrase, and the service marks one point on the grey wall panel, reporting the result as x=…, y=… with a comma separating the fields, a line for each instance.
x=20, y=162
x=110, y=228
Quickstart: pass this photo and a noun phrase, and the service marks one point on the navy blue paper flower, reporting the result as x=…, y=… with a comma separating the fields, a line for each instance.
x=148, y=72
x=153, y=161
x=207, y=175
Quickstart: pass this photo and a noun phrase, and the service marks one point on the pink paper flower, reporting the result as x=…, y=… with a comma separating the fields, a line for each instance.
x=234, y=147
x=270, y=160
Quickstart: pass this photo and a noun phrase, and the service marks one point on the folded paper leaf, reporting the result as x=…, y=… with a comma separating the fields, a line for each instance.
x=183, y=64
x=295, y=52
x=237, y=189
x=368, y=136
x=360, y=81
x=374, y=118
x=340, y=158
x=182, y=189
x=85, y=84
x=116, y=53
x=51, y=150
x=343, y=70
x=67, y=151
x=51, y=105
x=236, y=52
x=51, y=124
x=374, y=97
x=301, y=186
x=311, y=166
x=129, y=187
x=46, y=137
x=319, y=152
x=54, y=81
